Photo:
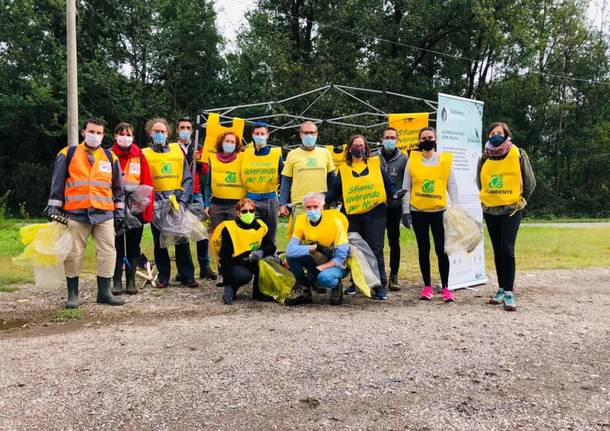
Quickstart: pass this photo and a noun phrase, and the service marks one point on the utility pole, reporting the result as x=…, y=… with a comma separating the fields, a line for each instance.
x=72, y=73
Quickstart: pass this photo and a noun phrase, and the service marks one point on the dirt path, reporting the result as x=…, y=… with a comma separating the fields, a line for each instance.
x=181, y=360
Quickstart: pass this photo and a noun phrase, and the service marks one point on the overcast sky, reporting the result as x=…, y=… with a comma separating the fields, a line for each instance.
x=231, y=15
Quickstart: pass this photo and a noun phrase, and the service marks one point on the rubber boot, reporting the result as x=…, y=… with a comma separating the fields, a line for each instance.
x=117, y=281
x=228, y=295
x=336, y=295
x=104, y=295
x=72, y=301
x=131, y=288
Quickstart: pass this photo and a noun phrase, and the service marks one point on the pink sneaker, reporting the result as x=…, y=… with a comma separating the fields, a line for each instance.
x=426, y=293
x=447, y=295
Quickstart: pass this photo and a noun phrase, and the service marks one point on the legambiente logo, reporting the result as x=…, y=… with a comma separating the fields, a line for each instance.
x=496, y=182
x=231, y=177
x=428, y=186
x=166, y=168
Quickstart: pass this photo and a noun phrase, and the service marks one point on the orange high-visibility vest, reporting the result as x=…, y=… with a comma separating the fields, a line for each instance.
x=131, y=175
x=89, y=186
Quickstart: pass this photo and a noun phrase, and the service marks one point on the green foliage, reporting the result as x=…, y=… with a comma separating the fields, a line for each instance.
x=66, y=314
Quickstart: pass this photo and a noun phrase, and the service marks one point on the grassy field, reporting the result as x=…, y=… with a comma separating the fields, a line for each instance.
x=537, y=248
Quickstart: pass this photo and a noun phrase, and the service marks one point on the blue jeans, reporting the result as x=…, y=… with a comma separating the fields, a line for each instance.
x=328, y=279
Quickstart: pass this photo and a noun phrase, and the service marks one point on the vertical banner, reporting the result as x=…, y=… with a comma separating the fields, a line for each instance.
x=408, y=126
x=459, y=129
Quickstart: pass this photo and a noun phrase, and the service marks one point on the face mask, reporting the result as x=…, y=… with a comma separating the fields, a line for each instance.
x=184, y=135
x=228, y=147
x=92, y=140
x=124, y=141
x=309, y=141
x=427, y=145
x=247, y=218
x=159, y=138
x=313, y=215
x=357, y=152
x=496, y=140
x=389, y=144
x=260, y=140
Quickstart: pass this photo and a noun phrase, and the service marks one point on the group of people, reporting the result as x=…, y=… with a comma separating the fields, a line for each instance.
x=326, y=192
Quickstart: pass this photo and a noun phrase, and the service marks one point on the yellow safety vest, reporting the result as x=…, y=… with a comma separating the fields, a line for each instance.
x=501, y=182
x=429, y=183
x=260, y=173
x=226, y=178
x=363, y=193
x=243, y=240
x=338, y=158
x=213, y=129
x=326, y=231
x=167, y=169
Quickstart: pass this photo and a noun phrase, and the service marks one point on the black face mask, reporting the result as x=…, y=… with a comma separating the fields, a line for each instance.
x=427, y=145
x=357, y=152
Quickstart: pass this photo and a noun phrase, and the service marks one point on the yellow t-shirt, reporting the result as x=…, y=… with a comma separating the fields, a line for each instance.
x=308, y=170
x=330, y=232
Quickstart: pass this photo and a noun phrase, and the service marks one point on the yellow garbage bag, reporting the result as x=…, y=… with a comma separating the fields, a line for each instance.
x=358, y=274
x=274, y=280
x=47, y=245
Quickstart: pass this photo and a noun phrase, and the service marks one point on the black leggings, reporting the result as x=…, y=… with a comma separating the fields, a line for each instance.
x=503, y=234
x=237, y=275
x=434, y=221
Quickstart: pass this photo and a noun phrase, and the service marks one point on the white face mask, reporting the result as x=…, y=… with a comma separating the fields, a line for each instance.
x=124, y=141
x=92, y=140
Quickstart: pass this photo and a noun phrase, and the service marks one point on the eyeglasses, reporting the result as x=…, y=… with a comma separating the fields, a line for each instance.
x=247, y=211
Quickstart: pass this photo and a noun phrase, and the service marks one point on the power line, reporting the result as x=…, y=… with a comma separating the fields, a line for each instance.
x=414, y=47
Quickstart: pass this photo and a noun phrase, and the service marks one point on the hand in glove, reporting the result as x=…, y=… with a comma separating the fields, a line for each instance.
x=119, y=226
x=254, y=257
x=406, y=220
x=51, y=213
x=329, y=252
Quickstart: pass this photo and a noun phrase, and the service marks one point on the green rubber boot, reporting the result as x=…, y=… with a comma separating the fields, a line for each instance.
x=104, y=295
x=72, y=301
x=131, y=288
x=117, y=282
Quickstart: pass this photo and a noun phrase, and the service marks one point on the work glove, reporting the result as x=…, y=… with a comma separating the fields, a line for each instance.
x=119, y=226
x=254, y=257
x=329, y=252
x=51, y=212
x=406, y=220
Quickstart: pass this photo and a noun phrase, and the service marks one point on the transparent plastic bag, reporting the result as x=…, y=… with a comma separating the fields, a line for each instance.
x=462, y=232
x=138, y=198
x=275, y=280
x=363, y=265
x=49, y=276
x=177, y=226
x=47, y=245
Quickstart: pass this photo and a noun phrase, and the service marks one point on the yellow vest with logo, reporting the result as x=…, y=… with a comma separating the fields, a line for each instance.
x=259, y=174
x=362, y=194
x=167, y=169
x=213, y=129
x=326, y=231
x=243, y=240
x=501, y=182
x=338, y=158
x=429, y=183
x=226, y=178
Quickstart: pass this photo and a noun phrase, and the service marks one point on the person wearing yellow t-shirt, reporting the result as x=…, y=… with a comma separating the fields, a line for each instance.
x=307, y=169
x=223, y=185
x=261, y=172
x=506, y=180
x=317, y=251
x=428, y=179
x=365, y=189
x=171, y=176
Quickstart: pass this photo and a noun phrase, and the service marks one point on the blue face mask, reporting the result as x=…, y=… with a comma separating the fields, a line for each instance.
x=184, y=135
x=259, y=140
x=309, y=141
x=159, y=138
x=389, y=144
x=497, y=140
x=313, y=215
x=228, y=147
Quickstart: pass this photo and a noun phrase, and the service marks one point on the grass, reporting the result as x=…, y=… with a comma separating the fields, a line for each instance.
x=538, y=247
x=67, y=314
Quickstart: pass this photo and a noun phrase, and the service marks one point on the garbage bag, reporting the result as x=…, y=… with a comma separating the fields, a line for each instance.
x=177, y=226
x=462, y=232
x=363, y=265
x=138, y=198
x=49, y=276
x=274, y=280
x=47, y=244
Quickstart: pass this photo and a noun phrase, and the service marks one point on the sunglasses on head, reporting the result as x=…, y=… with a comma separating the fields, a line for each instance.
x=247, y=211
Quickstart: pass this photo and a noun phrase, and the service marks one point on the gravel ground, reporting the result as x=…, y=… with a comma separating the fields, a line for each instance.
x=179, y=359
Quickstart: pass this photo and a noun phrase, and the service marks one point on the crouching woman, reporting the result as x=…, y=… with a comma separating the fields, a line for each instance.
x=243, y=242
x=317, y=251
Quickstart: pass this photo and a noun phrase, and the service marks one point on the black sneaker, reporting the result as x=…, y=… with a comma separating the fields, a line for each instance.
x=207, y=273
x=299, y=295
x=228, y=295
x=336, y=295
x=394, y=283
